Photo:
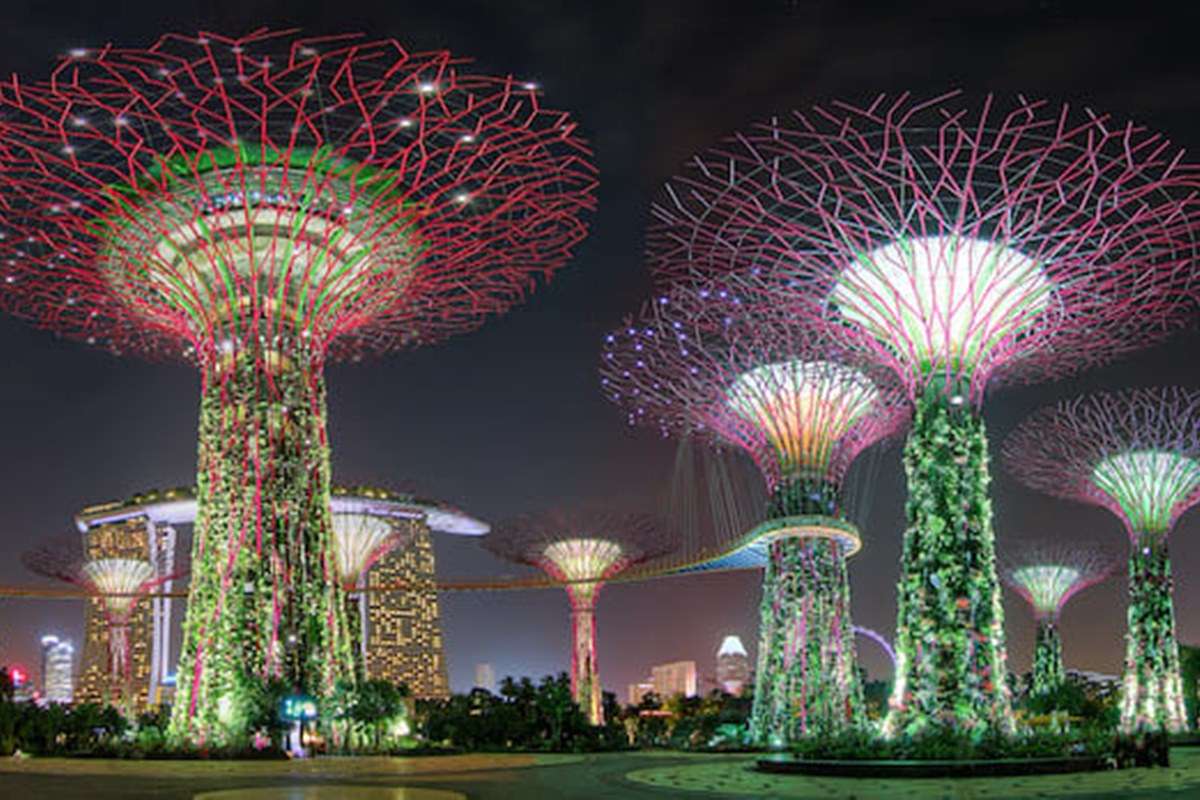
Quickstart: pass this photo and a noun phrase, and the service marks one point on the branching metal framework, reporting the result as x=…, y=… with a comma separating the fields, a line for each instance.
x=360, y=540
x=582, y=548
x=1136, y=453
x=260, y=205
x=960, y=247
x=702, y=361
x=1047, y=576
x=119, y=584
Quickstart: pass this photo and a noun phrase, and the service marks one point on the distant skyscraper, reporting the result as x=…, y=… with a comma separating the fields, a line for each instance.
x=485, y=677
x=404, y=642
x=733, y=665
x=678, y=677
x=58, y=670
x=637, y=691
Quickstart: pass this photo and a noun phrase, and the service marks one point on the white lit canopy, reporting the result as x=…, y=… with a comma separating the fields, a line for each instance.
x=942, y=303
x=119, y=581
x=1148, y=485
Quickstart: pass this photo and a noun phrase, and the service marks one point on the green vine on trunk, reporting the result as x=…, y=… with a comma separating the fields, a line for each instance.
x=1152, y=687
x=951, y=670
x=807, y=683
x=264, y=603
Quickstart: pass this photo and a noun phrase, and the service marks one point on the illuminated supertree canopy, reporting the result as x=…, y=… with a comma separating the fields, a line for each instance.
x=582, y=548
x=1136, y=453
x=261, y=205
x=1046, y=577
x=701, y=361
x=960, y=247
x=117, y=584
x=360, y=540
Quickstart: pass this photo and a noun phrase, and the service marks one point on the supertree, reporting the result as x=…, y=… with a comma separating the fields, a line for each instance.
x=118, y=585
x=700, y=361
x=361, y=539
x=582, y=548
x=1046, y=576
x=960, y=248
x=259, y=206
x=1136, y=453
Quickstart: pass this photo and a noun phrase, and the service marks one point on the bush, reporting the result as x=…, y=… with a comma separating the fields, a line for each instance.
x=946, y=745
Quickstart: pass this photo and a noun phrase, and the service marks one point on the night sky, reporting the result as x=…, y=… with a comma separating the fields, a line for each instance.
x=510, y=419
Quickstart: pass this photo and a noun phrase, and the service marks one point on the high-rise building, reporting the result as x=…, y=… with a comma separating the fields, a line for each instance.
x=485, y=677
x=141, y=527
x=637, y=691
x=404, y=641
x=678, y=677
x=402, y=622
x=733, y=666
x=58, y=670
x=128, y=538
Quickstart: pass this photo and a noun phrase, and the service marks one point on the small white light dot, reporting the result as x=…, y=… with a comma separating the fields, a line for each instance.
x=462, y=197
x=466, y=138
x=427, y=88
x=78, y=52
x=78, y=122
x=404, y=122
x=531, y=86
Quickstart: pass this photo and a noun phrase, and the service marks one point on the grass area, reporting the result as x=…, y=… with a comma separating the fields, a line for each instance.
x=736, y=776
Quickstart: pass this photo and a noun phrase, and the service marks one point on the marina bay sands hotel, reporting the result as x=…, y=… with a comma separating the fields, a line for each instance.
x=401, y=627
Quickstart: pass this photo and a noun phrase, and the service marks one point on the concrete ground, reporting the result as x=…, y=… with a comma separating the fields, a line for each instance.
x=491, y=777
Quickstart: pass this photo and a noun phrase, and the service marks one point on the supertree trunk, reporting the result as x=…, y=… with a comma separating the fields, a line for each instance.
x=766, y=721
x=1152, y=687
x=807, y=682
x=951, y=669
x=264, y=601
x=121, y=682
x=585, y=680
x=1048, y=672
x=356, y=623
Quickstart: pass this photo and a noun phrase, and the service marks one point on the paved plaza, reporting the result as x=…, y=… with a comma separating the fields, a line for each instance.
x=492, y=777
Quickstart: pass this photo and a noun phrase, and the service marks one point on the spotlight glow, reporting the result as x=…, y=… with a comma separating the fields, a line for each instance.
x=802, y=408
x=944, y=301
x=582, y=561
x=360, y=540
x=1046, y=585
x=1148, y=485
x=119, y=581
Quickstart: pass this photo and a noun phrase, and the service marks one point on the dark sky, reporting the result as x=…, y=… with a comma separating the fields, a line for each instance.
x=509, y=419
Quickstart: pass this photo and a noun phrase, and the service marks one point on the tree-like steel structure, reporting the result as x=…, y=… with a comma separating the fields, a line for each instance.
x=1046, y=576
x=117, y=585
x=960, y=248
x=582, y=548
x=1136, y=453
x=261, y=205
x=701, y=361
